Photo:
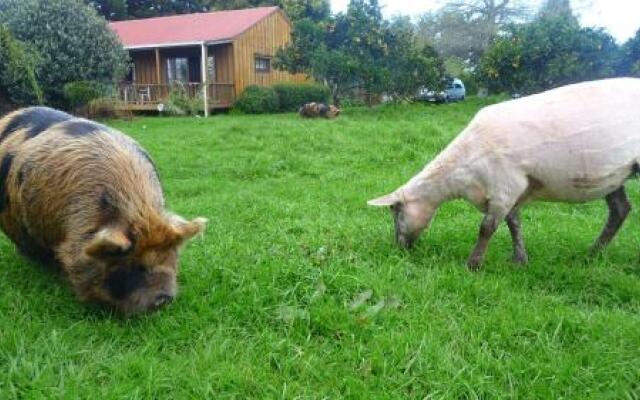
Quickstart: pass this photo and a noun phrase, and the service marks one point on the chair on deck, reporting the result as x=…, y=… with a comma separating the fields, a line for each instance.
x=144, y=94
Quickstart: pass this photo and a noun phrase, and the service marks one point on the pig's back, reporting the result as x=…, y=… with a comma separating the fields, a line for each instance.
x=580, y=141
x=67, y=174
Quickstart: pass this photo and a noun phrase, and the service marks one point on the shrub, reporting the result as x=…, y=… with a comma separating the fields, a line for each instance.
x=257, y=100
x=293, y=95
x=79, y=94
x=73, y=42
x=106, y=108
x=180, y=103
x=17, y=71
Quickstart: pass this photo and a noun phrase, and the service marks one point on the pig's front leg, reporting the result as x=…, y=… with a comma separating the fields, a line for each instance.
x=519, y=252
x=487, y=229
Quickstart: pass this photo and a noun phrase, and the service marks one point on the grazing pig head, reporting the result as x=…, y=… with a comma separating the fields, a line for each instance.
x=412, y=214
x=133, y=267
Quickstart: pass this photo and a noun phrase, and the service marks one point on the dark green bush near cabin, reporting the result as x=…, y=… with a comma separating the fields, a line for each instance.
x=257, y=100
x=79, y=94
x=73, y=42
x=293, y=95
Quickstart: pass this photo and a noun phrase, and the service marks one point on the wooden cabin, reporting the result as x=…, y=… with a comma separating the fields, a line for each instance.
x=234, y=48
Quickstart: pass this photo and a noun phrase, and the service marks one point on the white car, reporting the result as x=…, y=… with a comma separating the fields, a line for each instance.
x=454, y=91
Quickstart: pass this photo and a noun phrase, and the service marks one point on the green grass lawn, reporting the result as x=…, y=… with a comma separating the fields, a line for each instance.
x=298, y=291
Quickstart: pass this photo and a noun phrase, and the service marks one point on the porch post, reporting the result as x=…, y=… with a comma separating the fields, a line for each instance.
x=158, y=75
x=203, y=74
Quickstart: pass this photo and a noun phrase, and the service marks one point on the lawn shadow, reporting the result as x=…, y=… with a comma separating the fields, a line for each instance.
x=42, y=290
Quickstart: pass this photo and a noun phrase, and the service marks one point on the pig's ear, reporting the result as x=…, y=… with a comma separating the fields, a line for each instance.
x=385, y=201
x=109, y=242
x=188, y=229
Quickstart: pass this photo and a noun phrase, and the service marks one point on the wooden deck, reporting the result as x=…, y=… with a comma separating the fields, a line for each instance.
x=148, y=97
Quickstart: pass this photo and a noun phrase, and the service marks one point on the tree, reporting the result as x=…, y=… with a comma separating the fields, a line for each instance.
x=339, y=52
x=409, y=65
x=155, y=8
x=547, y=53
x=360, y=51
x=453, y=35
x=17, y=71
x=112, y=10
x=557, y=8
x=72, y=41
x=315, y=10
x=630, y=57
x=463, y=29
x=115, y=10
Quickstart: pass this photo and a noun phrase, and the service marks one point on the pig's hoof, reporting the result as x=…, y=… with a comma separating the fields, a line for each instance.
x=595, y=250
x=520, y=259
x=474, y=264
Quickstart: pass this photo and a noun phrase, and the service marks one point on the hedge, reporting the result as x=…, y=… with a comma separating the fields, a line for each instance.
x=257, y=100
x=292, y=96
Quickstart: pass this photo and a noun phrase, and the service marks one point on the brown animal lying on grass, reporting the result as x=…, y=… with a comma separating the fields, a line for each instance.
x=84, y=197
x=315, y=110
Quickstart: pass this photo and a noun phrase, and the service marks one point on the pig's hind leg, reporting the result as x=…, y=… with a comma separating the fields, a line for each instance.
x=619, y=208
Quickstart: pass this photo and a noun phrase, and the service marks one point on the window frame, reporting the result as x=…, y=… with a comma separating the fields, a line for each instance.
x=267, y=63
x=173, y=70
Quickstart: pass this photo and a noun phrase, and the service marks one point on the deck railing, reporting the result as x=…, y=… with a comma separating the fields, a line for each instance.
x=135, y=95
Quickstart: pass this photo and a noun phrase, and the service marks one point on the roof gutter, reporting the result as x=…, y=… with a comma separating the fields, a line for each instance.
x=181, y=44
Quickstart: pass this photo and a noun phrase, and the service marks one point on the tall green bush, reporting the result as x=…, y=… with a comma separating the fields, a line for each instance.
x=73, y=42
x=17, y=71
x=293, y=95
x=257, y=100
x=630, y=58
x=547, y=53
x=79, y=94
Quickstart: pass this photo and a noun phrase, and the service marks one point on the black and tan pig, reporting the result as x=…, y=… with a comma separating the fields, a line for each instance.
x=86, y=198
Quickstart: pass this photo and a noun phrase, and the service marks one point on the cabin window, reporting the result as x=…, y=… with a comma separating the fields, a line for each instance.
x=263, y=64
x=177, y=70
x=211, y=69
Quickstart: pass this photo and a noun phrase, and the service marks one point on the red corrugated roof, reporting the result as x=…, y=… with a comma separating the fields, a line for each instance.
x=188, y=28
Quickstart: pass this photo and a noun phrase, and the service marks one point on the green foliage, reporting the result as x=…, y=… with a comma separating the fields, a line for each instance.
x=358, y=51
x=630, y=58
x=79, y=94
x=112, y=10
x=546, y=53
x=257, y=100
x=315, y=10
x=470, y=81
x=293, y=95
x=409, y=66
x=116, y=10
x=180, y=102
x=17, y=71
x=73, y=43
